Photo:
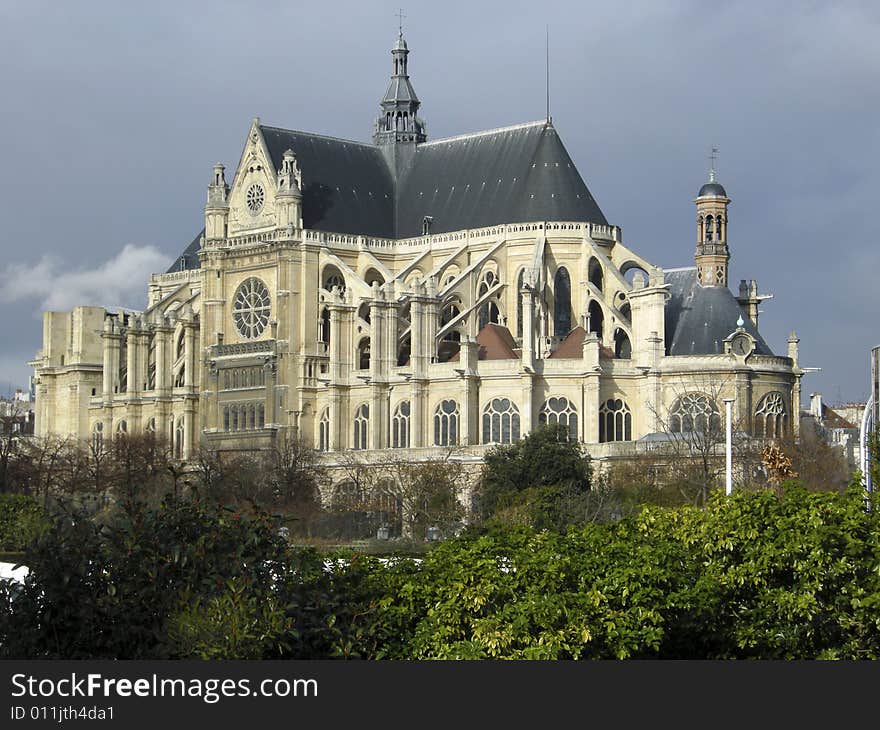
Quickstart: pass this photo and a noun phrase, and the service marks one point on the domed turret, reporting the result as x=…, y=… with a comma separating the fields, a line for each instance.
x=712, y=255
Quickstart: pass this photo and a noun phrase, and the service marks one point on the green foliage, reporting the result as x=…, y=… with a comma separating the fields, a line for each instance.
x=234, y=624
x=21, y=521
x=108, y=592
x=517, y=475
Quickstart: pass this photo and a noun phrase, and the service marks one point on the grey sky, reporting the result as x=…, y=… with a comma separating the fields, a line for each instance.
x=112, y=115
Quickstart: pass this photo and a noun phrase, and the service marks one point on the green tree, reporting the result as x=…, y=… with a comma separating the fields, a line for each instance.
x=529, y=477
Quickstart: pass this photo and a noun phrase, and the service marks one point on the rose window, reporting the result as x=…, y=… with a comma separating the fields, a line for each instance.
x=251, y=308
x=256, y=196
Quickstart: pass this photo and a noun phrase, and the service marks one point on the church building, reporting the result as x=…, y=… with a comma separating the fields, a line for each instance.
x=417, y=294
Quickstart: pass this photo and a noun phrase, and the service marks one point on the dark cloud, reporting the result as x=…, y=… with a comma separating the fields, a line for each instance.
x=113, y=116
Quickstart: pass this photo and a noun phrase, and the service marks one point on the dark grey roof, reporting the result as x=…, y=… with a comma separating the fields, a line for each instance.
x=189, y=259
x=510, y=175
x=712, y=188
x=699, y=318
x=347, y=186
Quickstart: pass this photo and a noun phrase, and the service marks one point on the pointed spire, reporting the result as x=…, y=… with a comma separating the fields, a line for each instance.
x=399, y=120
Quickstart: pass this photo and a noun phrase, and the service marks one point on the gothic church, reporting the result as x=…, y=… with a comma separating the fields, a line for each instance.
x=416, y=294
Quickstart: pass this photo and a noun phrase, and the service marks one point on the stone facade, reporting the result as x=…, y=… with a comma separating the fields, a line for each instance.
x=273, y=325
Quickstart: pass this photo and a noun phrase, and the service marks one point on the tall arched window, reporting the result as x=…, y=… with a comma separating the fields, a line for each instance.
x=595, y=273
x=325, y=326
x=519, y=303
x=261, y=415
x=178, y=439
x=400, y=426
x=596, y=318
x=560, y=410
x=694, y=412
x=122, y=428
x=615, y=421
x=98, y=437
x=500, y=422
x=324, y=431
x=446, y=423
x=770, y=417
x=488, y=310
x=151, y=426
x=151, y=364
x=361, y=426
x=122, y=376
x=622, y=346
x=364, y=354
x=226, y=418
x=710, y=227
x=562, y=302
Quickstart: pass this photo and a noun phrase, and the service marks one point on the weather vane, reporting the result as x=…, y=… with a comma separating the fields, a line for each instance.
x=713, y=155
x=400, y=17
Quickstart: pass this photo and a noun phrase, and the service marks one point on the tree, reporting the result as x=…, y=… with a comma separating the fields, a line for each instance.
x=537, y=471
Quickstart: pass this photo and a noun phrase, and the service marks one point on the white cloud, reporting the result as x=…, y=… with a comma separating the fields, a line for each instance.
x=121, y=281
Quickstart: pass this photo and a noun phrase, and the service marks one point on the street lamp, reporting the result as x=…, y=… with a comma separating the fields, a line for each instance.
x=728, y=415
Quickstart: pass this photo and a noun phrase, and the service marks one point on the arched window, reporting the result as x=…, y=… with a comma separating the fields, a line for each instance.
x=403, y=351
x=446, y=424
x=361, y=426
x=770, y=416
x=519, y=303
x=151, y=426
x=324, y=331
x=622, y=346
x=694, y=412
x=333, y=277
x=500, y=422
x=710, y=227
x=122, y=375
x=178, y=439
x=261, y=415
x=560, y=410
x=562, y=302
x=347, y=496
x=364, y=354
x=235, y=418
x=373, y=275
x=98, y=437
x=595, y=318
x=615, y=421
x=324, y=431
x=450, y=341
x=488, y=309
x=400, y=426
x=151, y=364
x=225, y=418
x=595, y=273
x=122, y=428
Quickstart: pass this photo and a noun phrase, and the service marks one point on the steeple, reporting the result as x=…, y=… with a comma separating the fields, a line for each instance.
x=399, y=121
x=712, y=255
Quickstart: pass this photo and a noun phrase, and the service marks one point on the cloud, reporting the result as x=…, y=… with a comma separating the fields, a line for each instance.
x=118, y=282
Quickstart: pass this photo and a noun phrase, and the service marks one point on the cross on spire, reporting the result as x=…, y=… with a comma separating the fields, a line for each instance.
x=713, y=155
x=400, y=17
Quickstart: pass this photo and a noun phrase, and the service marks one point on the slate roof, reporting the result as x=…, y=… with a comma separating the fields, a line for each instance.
x=510, y=175
x=699, y=318
x=189, y=256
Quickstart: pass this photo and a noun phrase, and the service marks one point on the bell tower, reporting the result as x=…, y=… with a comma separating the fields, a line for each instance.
x=712, y=255
x=399, y=123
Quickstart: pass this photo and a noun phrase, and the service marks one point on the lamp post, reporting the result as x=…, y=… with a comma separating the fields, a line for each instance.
x=728, y=416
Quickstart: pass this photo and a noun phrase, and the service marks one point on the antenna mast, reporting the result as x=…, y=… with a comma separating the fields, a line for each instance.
x=547, y=49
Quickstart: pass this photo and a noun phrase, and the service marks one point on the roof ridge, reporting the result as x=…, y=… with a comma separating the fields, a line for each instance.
x=483, y=133
x=320, y=136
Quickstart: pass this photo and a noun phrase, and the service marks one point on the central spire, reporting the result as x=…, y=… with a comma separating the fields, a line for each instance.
x=399, y=121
